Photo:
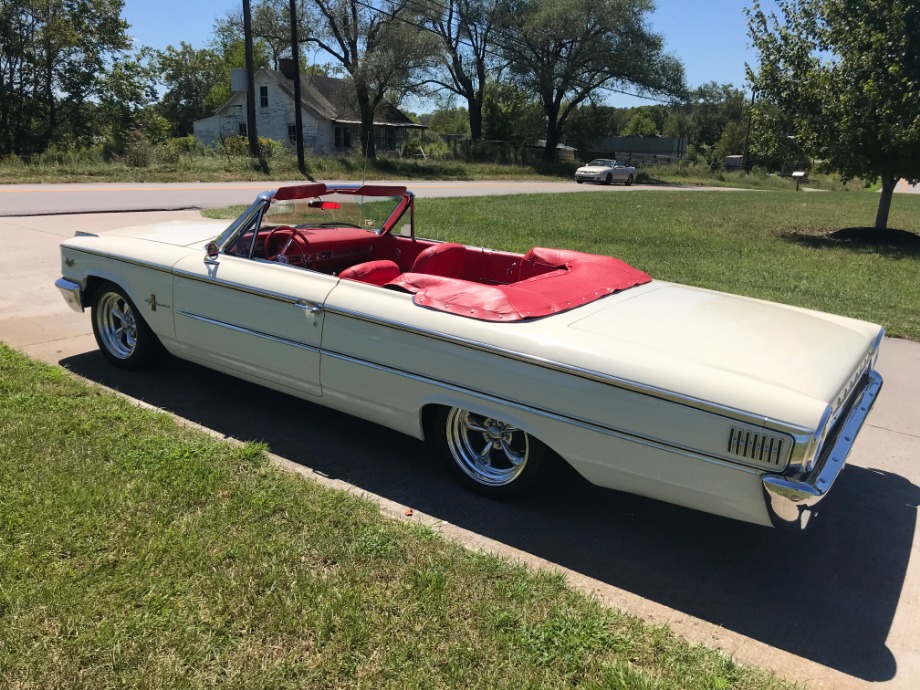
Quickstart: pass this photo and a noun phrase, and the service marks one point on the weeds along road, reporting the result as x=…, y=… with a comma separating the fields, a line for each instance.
x=55, y=199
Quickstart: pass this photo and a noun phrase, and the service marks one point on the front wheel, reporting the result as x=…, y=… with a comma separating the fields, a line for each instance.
x=492, y=457
x=123, y=336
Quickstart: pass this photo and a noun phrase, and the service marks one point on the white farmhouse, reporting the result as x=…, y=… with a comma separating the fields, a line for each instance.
x=330, y=119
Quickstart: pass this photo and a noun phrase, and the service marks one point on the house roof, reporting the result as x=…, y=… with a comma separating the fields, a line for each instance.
x=334, y=100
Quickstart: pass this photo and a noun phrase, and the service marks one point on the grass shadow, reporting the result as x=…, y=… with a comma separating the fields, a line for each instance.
x=889, y=242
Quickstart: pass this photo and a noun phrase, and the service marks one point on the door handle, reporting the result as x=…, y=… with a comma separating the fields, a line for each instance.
x=311, y=307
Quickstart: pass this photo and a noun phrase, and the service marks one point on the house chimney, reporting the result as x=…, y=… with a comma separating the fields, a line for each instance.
x=286, y=66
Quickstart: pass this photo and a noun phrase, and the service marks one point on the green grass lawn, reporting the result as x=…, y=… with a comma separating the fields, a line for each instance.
x=762, y=244
x=135, y=552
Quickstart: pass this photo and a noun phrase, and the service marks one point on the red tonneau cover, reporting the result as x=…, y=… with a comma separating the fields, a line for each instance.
x=553, y=281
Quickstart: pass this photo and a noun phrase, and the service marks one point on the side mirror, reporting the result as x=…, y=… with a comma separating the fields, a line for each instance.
x=211, y=251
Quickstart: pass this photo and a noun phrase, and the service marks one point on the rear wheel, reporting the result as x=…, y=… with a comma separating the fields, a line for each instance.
x=492, y=457
x=123, y=336
x=608, y=179
x=629, y=181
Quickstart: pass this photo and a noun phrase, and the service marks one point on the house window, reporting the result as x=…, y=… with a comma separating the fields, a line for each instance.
x=338, y=137
x=263, y=96
x=292, y=134
x=347, y=138
x=242, y=129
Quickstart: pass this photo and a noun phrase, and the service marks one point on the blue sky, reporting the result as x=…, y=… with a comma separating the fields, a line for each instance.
x=709, y=36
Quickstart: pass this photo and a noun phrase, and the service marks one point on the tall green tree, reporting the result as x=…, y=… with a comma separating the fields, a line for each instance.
x=846, y=73
x=54, y=58
x=511, y=114
x=712, y=106
x=190, y=76
x=565, y=51
x=640, y=124
x=465, y=31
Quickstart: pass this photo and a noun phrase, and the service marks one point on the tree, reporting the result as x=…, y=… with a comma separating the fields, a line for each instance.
x=640, y=125
x=189, y=76
x=380, y=46
x=54, y=57
x=124, y=95
x=465, y=30
x=712, y=106
x=846, y=74
x=449, y=121
x=510, y=114
x=270, y=25
x=564, y=51
x=591, y=123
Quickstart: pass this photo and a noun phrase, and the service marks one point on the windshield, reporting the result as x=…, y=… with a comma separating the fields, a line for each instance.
x=603, y=161
x=333, y=211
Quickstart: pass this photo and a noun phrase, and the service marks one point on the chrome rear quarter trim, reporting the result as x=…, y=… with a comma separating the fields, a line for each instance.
x=791, y=501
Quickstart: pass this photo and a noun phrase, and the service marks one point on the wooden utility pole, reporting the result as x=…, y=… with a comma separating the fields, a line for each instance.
x=250, y=84
x=298, y=116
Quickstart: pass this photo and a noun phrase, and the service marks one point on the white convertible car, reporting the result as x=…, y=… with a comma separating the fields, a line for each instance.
x=607, y=171
x=730, y=405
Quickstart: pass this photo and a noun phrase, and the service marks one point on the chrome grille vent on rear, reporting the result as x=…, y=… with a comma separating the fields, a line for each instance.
x=761, y=448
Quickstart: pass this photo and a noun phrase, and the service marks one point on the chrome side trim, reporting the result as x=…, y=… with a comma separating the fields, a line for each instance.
x=71, y=292
x=652, y=443
x=791, y=501
x=249, y=331
x=133, y=262
x=618, y=382
x=238, y=287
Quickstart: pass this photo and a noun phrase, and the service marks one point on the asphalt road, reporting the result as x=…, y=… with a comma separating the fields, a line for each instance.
x=51, y=199
x=837, y=606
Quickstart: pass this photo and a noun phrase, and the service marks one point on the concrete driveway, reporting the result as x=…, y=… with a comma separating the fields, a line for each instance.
x=837, y=606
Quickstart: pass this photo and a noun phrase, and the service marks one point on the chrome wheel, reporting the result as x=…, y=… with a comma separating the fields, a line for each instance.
x=117, y=325
x=123, y=336
x=488, y=451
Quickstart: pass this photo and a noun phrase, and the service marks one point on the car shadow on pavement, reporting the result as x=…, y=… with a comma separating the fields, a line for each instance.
x=828, y=594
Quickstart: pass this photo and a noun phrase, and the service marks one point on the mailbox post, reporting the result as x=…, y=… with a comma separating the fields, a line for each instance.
x=798, y=176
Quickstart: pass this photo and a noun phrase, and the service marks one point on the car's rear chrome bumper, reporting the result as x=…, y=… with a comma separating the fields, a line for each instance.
x=72, y=293
x=791, y=501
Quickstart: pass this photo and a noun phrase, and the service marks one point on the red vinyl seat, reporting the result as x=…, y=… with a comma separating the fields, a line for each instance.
x=445, y=259
x=373, y=272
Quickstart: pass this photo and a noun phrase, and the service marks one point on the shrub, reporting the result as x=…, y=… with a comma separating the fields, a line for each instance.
x=139, y=152
x=12, y=162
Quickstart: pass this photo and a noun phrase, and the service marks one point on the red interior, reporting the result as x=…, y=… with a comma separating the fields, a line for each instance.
x=546, y=281
x=473, y=282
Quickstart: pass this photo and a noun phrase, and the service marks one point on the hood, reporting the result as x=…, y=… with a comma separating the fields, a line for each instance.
x=180, y=233
x=784, y=362
x=594, y=168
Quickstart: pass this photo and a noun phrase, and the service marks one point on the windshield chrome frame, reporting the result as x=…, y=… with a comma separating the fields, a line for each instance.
x=257, y=207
